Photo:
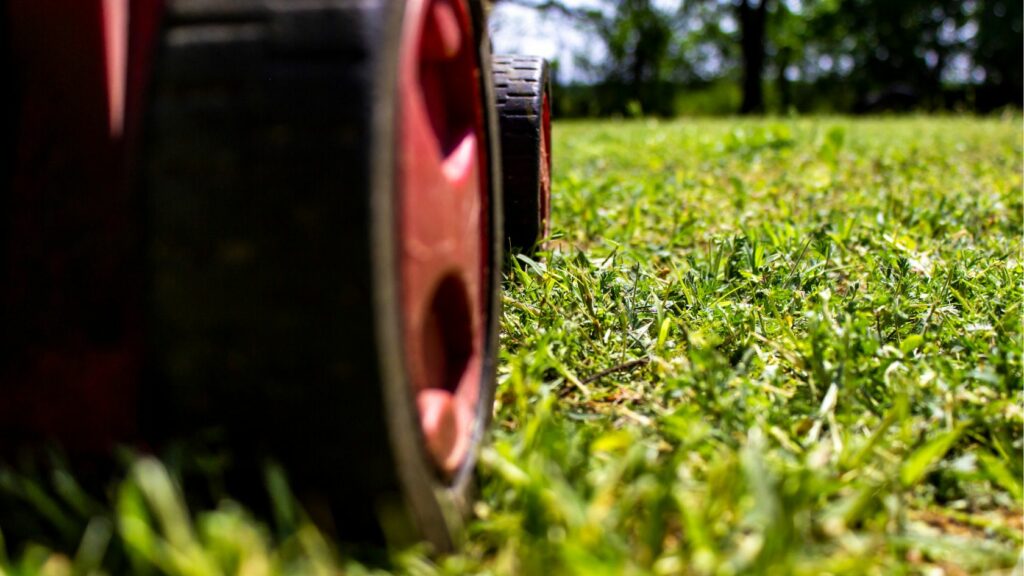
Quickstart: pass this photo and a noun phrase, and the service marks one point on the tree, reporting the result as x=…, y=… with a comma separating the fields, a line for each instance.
x=902, y=54
x=847, y=55
x=751, y=15
x=998, y=53
x=636, y=36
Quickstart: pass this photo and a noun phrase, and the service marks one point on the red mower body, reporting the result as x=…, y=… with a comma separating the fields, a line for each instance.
x=71, y=290
x=279, y=221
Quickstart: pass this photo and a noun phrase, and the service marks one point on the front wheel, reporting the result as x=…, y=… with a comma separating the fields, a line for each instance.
x=322, y=186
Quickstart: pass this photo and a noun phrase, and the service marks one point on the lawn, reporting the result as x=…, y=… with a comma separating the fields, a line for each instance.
x=768, y=347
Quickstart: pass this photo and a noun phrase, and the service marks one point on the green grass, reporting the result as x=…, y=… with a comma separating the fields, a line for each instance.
x=770, y=347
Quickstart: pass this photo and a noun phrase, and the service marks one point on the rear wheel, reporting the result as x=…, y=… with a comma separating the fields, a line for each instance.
x=523, y=90
x=324, y=227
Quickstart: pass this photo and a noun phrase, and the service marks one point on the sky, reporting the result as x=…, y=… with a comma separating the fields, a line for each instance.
x=516, y=29
x=520, y=30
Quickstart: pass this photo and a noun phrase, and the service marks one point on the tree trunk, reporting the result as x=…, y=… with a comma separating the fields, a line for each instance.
x=752, y=44
x=782, y=82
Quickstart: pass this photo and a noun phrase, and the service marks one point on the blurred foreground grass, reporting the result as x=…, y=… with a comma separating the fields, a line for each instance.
x=781, y=347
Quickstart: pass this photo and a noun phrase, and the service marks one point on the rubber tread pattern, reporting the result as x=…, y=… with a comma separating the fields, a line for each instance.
x=521, y=83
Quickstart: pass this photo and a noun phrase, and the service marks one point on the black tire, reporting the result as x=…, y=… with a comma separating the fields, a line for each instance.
x=268, y=172
x=523, y=89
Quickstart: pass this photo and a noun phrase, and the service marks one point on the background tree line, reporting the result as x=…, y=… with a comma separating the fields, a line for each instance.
x=753, y=56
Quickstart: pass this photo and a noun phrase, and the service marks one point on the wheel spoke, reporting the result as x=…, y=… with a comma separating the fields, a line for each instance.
x=115, y=35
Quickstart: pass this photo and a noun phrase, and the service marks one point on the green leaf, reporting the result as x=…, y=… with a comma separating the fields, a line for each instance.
x=615, y=441
x=925, y=457
x=1002, y=476
x=666, y=324
x=910, y=343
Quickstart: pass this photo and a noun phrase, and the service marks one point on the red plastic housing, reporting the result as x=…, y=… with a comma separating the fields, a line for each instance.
x=70, y=289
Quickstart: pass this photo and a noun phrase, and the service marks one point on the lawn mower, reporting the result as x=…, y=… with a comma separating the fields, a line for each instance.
x=275, y=223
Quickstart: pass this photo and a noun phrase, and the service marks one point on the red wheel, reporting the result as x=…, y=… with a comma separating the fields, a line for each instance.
x=324, y=209
x=444, y=197
x=544, y=191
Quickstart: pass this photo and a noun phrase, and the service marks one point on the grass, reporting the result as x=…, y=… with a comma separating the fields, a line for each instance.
x=766, y=347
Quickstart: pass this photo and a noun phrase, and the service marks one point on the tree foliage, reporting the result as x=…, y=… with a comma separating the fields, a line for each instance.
x=858, y=55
